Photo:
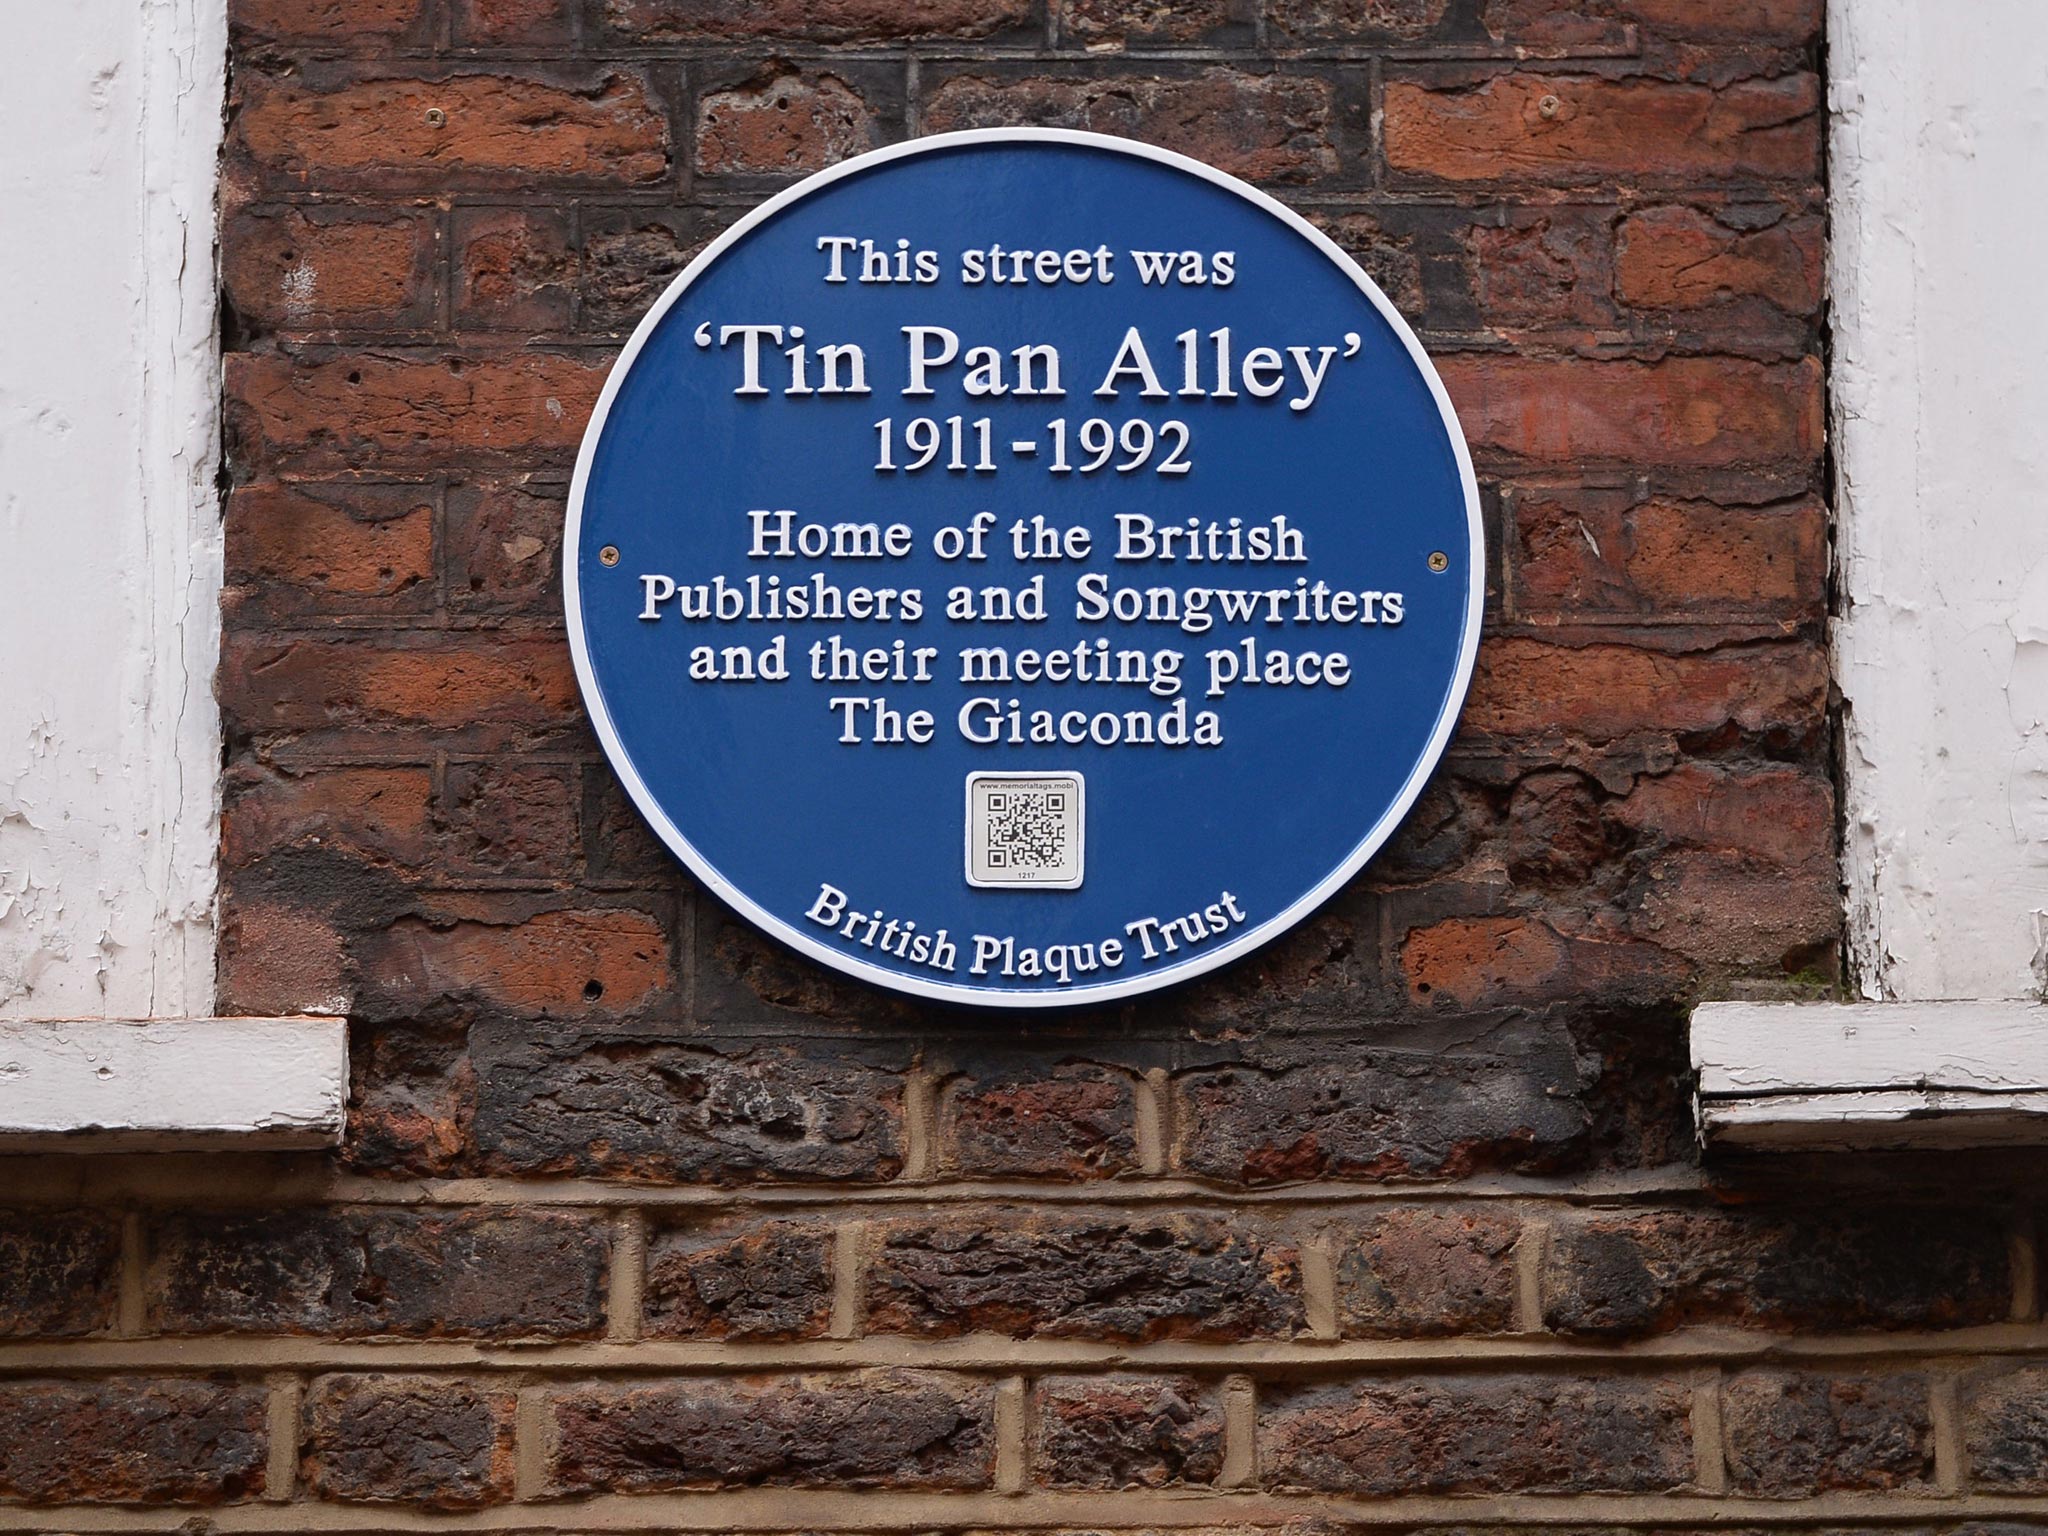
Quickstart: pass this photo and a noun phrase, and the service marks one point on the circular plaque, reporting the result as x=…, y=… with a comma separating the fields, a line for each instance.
x=1023, y=567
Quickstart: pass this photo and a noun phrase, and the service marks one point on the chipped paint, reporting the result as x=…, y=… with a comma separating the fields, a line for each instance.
x=298, y=288
x=1940, y=386
x=109, y=428
x=96, y=1085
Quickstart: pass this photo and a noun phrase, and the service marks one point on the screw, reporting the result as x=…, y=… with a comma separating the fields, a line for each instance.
x=609, y=554
x=1439, y=561
x=436, y=117
x=1548, y=106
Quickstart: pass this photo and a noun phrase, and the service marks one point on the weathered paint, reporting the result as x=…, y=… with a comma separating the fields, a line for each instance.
x=109, y=428
x=114, y=1085
x=1940, y=130
x=1825, y=1076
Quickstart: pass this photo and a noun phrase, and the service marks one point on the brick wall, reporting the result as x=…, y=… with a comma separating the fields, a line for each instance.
x=644, y=1223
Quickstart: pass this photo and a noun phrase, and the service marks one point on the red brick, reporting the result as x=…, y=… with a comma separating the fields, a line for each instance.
x=1792, y=1434
x=755, y=1281
x=511, y=818
x=629, y=257
x=515, y=23
x=1557, y=838
x=813, y=21
x=1574, y=129
x=783, y=126
x=1418, y=1272
x=619, y=845
x=295, y=547
x=1262, y=127
x=1350, y=21
x=130, y=1440
x=1543, y=267
x=1684, y=258
x=381, y=814
x=277, y=959
x=1490, y=962
x=329, y=267
x=1074, y=1121
x=361, y=24
x=1564, y=24
x=362, y=1271
x=494, y=130
x=1782, y=815
x=306, y=684
x=1136, y=1279
x=559, y=963
x=1531, y=688
x=58, y=1273
x=879, y=1429
x=1659, y=558
x=1733, y=913
x=1706, y=411
x=1390, y=260
x=1480, y=1434
x=1559, y=26
x=412, y=1100
x=620, y=1104
x=1749, y=21
x=2005, y=1429
x=1803, y=1269
x=1127, y=1432
x=420, y=1440
x=406, y=411
x=505, y=548
x=1098, y=25
x=1351, y=1112
x=514, y=269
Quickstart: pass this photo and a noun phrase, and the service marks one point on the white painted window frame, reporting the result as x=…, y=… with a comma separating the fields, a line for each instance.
x=1871, y=1076
x=112, y=776
x=177, y=1085
x=1938, y=384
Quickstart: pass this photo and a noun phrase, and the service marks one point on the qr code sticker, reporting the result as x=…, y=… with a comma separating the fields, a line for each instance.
x=1024, y=829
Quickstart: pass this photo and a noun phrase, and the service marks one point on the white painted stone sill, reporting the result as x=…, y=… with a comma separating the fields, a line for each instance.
x=178, y=1085
x=1806, y=1077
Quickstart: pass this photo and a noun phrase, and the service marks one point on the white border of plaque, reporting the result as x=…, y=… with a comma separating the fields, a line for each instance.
x=1344, y=864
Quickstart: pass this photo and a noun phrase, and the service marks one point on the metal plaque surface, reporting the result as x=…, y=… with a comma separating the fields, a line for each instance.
x=1023, y=567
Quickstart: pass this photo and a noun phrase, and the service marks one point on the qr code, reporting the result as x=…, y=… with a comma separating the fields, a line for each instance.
x=1027, y=829
x=1024, y=829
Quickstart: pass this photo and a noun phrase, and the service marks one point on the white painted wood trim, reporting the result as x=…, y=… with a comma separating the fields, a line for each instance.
x=190, y=1085
x=1902, y=1120
x=185, y=46
x=1815, y=1076
x=111, y=115
x=1938, y=388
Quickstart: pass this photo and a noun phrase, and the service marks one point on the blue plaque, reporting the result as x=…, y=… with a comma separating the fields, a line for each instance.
x=1023, y=568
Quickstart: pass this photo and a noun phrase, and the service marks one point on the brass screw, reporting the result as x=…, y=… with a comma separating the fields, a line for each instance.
x=1439, y=561
x=609, y=554
x=1548, y=106
x=436, y=117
